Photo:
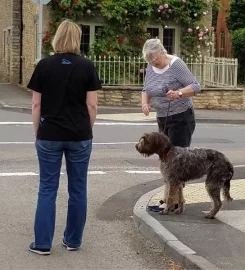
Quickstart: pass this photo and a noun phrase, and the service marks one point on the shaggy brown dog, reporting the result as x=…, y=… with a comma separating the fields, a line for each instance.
x=179, y=165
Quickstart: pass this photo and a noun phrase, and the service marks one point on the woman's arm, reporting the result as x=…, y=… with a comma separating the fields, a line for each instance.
x=190, y=85
x=36, y=110
x=91, y=101
x=145, y=98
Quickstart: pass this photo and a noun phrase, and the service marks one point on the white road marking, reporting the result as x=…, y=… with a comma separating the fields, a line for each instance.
x=35, y=174
x=143, y=172
x=234, y=218
x=96, y=123
x=96, y=172
x=19, y=174
x=16, y=123
x=95, y=143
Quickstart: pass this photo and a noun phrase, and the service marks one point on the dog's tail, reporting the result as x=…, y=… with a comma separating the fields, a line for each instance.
x=226, y=185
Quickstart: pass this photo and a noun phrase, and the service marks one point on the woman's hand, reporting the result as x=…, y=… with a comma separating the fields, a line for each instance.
x=173, y=94
x=146, y=109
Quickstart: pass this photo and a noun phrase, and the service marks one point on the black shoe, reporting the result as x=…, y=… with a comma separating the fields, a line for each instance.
x=40, y=251
x=69, y=248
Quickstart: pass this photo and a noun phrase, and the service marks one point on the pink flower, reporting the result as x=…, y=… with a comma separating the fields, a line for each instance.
x=184, y=1
x=126, y=12
x=212, y=28
x=141, y=70
x=161, y=7
x=190, y=30
x=89, y=11
x=200, y=34
x=99, y=5
x=165, y=5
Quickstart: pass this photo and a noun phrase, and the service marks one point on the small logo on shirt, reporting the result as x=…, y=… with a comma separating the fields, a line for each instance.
x=41, y=120
x=66, y=62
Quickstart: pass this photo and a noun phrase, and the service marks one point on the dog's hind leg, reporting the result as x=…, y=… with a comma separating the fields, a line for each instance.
x=226, y=191
x=213, y=190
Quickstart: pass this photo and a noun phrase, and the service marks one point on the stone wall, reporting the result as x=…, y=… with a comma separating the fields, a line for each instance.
x=15, y=42
x=220, y=99
x=10, y=18
x=30, y=36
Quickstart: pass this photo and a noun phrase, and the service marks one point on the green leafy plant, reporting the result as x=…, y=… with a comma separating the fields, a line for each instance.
x=238, y=48
x=125, y=23
x=236, y=24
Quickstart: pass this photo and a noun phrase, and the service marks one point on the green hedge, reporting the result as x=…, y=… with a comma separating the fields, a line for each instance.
x=238, y=47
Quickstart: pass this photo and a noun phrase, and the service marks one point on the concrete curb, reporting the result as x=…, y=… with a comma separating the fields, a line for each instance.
x=198, y=120
x=153, y=229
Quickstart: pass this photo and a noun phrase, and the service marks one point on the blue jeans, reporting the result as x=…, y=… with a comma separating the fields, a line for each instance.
x=77, y=155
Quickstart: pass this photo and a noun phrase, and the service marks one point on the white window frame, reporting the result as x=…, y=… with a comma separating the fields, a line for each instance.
x=176, y=47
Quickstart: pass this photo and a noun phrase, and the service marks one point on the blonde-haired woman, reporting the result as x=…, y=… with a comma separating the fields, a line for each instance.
x=64, y=107
x=169, y=87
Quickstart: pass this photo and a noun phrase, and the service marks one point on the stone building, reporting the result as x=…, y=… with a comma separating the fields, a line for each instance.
x=18, y=36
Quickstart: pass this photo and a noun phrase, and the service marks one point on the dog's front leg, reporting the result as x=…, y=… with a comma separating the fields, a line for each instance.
x=181, y=200
x=169, y=198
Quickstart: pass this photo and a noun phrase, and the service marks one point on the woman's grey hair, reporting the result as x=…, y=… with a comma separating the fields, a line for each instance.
x=152, y=46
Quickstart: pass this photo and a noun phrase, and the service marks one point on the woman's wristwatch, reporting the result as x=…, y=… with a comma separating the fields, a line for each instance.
x=180, y=94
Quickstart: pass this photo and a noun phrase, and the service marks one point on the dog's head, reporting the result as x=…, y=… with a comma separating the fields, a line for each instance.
x=153, y=143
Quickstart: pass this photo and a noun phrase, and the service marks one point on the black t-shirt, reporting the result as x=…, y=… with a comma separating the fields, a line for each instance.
x=64, y=80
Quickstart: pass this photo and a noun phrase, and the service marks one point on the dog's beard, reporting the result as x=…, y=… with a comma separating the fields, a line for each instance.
x=140, y=148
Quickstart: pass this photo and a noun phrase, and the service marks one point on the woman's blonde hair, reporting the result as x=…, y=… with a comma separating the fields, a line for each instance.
x=152, y=46
x=67, y=38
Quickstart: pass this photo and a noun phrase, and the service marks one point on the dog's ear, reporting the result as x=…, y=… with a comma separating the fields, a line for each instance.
x=164, y=145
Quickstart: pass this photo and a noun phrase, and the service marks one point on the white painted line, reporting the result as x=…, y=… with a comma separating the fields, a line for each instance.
x=16, y=123
x=98, y=143
x=19, y=174
x=35, y=174
x=143, y=172
x=125, y=124
x=96, y=123
x=113, y=143
x=239, y=166
x=96, y=172
x=9, y=143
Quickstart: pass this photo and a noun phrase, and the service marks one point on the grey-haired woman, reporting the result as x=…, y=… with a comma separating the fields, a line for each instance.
x=169, y=87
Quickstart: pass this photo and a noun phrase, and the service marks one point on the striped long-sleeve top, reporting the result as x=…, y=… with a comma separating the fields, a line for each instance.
x=174, y=77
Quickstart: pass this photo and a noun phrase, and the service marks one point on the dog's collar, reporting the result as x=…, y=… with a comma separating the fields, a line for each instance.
x=165, y=156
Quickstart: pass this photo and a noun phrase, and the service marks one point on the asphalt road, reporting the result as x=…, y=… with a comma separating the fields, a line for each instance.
x=118, y=177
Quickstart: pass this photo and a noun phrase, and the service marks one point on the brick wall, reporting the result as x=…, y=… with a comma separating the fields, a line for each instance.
x=5, y=43
x=15, y=42
x=220, y=99
x=10, y=18
x=30, y=19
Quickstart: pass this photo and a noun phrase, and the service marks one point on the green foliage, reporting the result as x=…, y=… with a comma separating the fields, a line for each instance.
x=125, y=22
x=236, y=18
x=238, y=48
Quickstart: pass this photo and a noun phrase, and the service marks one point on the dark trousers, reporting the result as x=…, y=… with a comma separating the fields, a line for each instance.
x=179, y=127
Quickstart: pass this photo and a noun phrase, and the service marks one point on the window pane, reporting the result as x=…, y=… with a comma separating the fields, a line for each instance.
x=85, y=39
x=98, y=32
x=168, y=40
x=154, y=32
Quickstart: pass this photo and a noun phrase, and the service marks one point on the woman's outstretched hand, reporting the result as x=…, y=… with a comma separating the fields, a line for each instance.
x=146, y=109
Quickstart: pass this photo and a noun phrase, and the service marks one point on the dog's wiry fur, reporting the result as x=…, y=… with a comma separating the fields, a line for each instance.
x=179, y=165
